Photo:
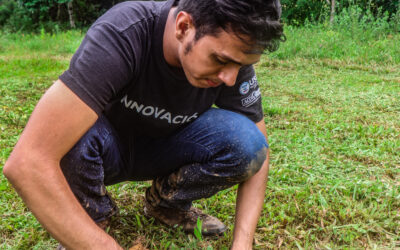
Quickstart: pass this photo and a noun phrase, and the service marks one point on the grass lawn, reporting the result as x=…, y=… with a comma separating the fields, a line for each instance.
x=332, y=109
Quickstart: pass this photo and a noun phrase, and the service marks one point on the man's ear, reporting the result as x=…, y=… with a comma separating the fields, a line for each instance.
x=183, y=25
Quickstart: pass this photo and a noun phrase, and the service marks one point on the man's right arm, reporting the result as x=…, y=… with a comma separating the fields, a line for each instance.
x=59, y=120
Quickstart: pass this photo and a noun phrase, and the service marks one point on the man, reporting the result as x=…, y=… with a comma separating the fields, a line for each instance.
x=135, y=104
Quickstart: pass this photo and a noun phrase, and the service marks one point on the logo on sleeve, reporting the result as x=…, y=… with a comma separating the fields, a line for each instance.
x=252, y=98
x=253, y=82
x=250, y=88
x=244, y=88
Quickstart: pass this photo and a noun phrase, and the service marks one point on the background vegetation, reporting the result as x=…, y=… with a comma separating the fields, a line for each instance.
x=331, y=97
x=54, y=15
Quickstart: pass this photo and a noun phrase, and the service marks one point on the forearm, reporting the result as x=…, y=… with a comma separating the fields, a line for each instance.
x=47, y=194
x=249, y=202
x=58, y=121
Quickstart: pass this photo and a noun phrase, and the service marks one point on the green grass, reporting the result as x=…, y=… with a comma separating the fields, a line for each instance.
x=332, y=108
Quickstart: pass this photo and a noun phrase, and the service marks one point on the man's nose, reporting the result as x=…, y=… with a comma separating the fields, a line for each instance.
x=228, y=74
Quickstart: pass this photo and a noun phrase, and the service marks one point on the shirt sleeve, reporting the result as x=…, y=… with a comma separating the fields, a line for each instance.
x=101, y=67
x=244, y=97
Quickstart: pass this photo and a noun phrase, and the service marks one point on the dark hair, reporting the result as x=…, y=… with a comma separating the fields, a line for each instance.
x=258, y=20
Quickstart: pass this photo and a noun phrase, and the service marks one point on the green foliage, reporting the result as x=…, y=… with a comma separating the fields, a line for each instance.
x=14, y=17
x=396, y=21
x=375, y=6
x=197, y=230
x=322, y=42
x=6, y=10
x=87, y=11
x=362, y=24
x=298, y=12
x=52, y=15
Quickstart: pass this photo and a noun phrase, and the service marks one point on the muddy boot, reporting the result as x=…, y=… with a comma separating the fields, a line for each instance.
x=185, y=218
x=102, y=224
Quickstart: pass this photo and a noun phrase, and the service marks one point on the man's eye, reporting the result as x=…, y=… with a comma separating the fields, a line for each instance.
x=220, y=61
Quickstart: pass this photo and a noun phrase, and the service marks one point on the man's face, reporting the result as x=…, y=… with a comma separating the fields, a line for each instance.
x=212, y=61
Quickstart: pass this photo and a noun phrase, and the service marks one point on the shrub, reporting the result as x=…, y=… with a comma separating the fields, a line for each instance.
x=363, y=24
x=52, y=15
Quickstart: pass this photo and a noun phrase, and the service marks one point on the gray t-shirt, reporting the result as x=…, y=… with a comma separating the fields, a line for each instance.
x=119, y=71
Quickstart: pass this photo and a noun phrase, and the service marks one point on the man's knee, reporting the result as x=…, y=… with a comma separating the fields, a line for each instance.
x=242, y=144
x=250, y=165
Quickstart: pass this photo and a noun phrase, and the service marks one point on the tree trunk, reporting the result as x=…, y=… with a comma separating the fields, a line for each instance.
x=58, y=12
x=71, y=14
x=333, y=6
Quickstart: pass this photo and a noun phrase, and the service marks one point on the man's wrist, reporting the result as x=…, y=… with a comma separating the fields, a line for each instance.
x=241, y=245
x=104, y=242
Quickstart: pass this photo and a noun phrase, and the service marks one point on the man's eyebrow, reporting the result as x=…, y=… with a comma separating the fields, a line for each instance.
x=227, y=58
x=230, y=59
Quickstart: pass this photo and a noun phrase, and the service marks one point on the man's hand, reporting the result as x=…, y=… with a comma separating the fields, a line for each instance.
x=57, y=123
x=249, y=202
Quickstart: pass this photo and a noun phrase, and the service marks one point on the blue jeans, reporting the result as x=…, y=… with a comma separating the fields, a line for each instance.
x=216, y=151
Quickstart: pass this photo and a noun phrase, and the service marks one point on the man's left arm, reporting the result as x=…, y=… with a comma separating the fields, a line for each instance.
x=249, y=202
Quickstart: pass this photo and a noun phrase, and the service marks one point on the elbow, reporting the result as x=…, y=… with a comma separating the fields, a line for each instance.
x=13, y=170
x=9, y=171
x=23, y=168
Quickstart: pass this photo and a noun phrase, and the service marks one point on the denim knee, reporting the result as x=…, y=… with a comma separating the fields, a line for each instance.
x=241, y=143
x=251, y=153
x=83, y=168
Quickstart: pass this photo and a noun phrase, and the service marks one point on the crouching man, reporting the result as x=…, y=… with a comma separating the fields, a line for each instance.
x=136, y=104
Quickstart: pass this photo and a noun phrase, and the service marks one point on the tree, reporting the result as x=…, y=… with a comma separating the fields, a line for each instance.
x=71, y=14
x=332, y=4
